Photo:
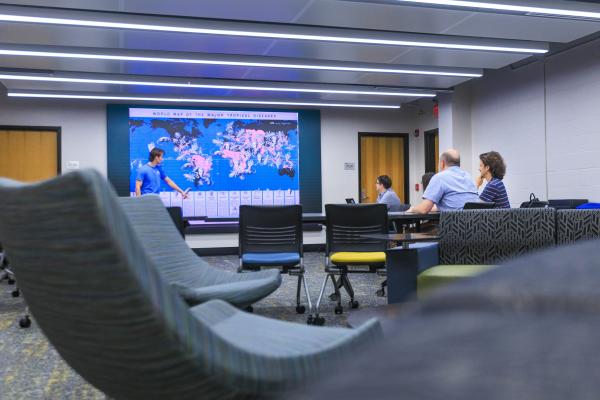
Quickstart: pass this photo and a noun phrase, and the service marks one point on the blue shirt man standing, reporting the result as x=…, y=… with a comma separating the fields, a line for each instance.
x=450, y=188
x=149, y=176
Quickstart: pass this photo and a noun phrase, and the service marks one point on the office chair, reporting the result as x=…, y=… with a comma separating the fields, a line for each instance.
x=176, y=214
x=7, y=273
x=115, y=319
x=479, y=205
x=346, y=246
x=271, y=236
x=566, y=204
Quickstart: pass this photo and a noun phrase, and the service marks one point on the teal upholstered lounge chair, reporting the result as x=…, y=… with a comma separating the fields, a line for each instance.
x=195, y=280
x=101, y=300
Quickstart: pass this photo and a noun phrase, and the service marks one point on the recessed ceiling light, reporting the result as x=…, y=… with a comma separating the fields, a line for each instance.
x=99, y=19
x=215, y=100
x=115, y=79
x=229, y=59
x=523, y=9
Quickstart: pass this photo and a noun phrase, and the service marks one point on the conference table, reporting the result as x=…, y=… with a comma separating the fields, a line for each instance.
x=401, y=217
x=229, y=224
x=320, y=217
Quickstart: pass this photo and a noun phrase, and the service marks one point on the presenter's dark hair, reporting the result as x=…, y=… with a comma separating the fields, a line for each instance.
x=495, y=162
x=155, y=152
x=385, y=180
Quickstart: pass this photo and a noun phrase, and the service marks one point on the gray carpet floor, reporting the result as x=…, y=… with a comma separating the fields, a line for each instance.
x=30, y=368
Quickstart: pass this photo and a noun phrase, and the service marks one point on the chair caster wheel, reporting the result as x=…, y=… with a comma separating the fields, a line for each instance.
x=25, y=322
x=338, y=310
x=15, y=293
x=310, y=320
x=11, y=281
x=249, y=309
x=319, y=321
x=333, y=297
x=381, y=293
x=353, y=303
x=300, y=309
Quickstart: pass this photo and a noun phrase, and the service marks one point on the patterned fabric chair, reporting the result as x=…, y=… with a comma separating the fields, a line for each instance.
x=195, y=280
x=471, y=242
x=573, y=225
x=100, y=298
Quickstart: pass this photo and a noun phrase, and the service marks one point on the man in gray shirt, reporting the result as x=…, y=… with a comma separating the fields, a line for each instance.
x=387, y=195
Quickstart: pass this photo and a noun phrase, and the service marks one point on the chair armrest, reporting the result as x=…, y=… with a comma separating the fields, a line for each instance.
x=403, y=266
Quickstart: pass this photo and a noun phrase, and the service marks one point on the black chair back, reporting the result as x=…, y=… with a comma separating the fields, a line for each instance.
x=177, y=216
x=479, y=205
x=347, y=223
x=270, y=229
x=566, y=204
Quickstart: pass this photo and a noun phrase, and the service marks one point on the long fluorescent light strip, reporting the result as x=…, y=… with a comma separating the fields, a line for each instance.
x=193, y=85
x=185, y=100
x=509, y=7
x=233, y=63
x=271, y=35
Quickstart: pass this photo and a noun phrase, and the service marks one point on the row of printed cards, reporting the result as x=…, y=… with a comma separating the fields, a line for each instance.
x=226, y=204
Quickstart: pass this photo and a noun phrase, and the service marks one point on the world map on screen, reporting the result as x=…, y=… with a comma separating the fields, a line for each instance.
x=219, y=153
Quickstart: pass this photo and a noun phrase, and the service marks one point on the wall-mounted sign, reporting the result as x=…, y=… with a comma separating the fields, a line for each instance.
x=72, y=165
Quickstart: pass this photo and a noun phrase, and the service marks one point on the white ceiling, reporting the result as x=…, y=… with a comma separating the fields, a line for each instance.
x=333, y=13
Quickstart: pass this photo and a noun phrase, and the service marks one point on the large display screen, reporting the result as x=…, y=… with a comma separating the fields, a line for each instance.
x=222, y=158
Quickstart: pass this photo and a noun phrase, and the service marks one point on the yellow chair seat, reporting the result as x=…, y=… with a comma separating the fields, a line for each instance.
x=358, y=257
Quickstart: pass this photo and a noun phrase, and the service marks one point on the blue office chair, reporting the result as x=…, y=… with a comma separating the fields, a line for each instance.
x=271, y=236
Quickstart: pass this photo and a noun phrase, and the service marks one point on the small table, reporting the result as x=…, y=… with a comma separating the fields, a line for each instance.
x=404, y=238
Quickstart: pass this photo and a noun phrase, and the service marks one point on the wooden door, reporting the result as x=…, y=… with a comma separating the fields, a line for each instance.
x=383, y=155
x=28, y=155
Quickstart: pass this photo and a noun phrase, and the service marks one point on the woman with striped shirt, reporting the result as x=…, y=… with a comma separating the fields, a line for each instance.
x=492, y=169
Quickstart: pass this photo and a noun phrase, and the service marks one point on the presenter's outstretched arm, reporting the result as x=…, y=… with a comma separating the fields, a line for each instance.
x=175, y=187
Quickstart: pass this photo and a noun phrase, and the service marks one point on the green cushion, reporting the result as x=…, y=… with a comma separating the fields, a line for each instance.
x=443, y=274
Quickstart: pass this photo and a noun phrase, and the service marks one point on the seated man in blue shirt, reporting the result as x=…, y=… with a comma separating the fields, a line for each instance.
x=386, y=195
x=149, y=176
x=450, y=188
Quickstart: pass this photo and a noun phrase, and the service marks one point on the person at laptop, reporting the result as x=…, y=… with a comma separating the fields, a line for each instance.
x=149, y=176
x=386, y=195
x=450, y=188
